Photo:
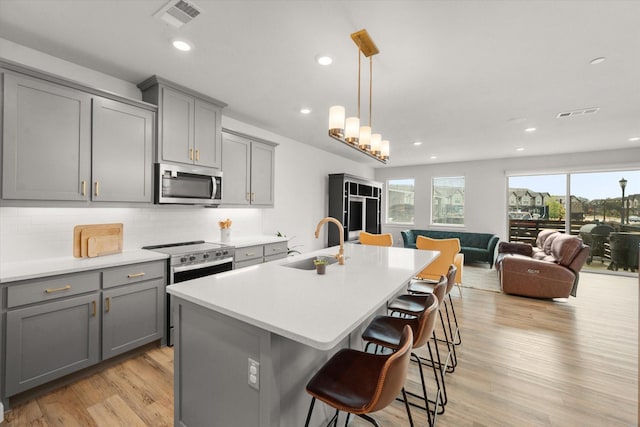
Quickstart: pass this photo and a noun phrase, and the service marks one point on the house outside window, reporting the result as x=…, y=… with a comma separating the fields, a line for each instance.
x=400, y=201
x=447, y=201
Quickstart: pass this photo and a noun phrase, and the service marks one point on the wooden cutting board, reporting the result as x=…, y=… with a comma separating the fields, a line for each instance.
x=82, y=234
x=104, y=245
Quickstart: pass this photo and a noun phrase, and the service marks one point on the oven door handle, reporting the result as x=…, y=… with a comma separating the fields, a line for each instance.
x=202, y=265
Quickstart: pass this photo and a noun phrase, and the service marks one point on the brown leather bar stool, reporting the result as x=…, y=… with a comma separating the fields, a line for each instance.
x=386, y=331
x=426, y=286
x=360, y=383
x=413, y=305
x=422, y=288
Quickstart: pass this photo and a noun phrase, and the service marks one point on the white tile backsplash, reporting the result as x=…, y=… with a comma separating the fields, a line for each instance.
x=31, y=233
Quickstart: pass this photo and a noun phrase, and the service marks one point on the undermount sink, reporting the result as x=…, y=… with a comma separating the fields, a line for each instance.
x=307, y=263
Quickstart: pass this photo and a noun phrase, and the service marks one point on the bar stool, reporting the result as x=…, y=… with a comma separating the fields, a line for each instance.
x=360, y=383
x=386, y=331
x=422, y=288
x=376, y=239
x=413, y=305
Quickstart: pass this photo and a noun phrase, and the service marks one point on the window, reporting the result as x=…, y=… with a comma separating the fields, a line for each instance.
x=447, y=201
x=400, y=196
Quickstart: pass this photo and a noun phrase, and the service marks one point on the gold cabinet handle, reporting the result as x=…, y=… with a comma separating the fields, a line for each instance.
x=84, y=188
x=64, y=288
x=131, y=276
x=97, y=188
x=190, y=153
x=249, y=254
x=93, y=308
x=107, y=303
x=197, y=154
x=248, y=197
x=253, y=197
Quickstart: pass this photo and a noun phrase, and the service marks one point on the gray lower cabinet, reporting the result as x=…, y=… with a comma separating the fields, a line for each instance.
x=60, y=324
x=248, y=166
x=257, y=254
x=132, y=315
x=50, y=340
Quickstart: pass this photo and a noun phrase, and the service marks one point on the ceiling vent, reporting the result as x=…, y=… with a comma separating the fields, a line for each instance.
x=583, y=112
x=178, y=12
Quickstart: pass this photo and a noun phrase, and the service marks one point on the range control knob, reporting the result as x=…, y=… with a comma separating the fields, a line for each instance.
x=183, y=259
x=218, y=253
x=205, y=256
x=192, y=258
x=225, y=252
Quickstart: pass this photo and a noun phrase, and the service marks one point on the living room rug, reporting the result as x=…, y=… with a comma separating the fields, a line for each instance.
x=480, y=277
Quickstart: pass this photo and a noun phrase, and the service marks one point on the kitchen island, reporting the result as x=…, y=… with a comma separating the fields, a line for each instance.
x=248, y=340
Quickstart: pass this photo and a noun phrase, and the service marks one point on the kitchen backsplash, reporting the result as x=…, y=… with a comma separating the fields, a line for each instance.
x=32, y=233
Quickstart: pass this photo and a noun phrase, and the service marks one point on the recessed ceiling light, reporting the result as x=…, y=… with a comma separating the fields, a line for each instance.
x=417, y=143
x=598, y=60
x=530, y=130
x=182, y=45
x=519, y=149
x=634, y=139
x=305, y=110
x=324, y=60
x=433, y=157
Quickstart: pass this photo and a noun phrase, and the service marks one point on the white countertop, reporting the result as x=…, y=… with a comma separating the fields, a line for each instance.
x=244, y=241
x=316, y=310
x=22, y=270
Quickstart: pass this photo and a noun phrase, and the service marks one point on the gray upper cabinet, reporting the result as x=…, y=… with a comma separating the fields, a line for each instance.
x=122, y=150
x=248, y=169
x=189, y=124
x=46, y=140
x=63, y=143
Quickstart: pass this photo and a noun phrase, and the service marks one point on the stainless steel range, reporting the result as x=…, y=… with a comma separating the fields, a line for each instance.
x=192, y=260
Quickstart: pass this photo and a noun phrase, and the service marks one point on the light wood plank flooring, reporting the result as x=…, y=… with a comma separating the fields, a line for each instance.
x=523, y=362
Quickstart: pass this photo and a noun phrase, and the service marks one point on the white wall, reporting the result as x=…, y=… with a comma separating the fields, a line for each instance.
x=486, y=184
x=300, y=191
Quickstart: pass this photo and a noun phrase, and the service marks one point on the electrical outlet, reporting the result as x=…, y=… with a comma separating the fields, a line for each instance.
x=253, y=374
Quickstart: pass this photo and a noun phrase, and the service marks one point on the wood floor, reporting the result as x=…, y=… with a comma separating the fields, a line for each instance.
x=523, y=362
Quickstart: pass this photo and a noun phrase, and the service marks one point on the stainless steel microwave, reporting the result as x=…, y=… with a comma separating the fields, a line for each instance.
x=187, y=185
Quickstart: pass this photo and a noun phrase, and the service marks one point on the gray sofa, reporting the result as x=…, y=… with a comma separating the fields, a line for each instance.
x=475, y=246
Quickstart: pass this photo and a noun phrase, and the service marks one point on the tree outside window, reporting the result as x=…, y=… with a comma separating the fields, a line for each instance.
x=447, y=201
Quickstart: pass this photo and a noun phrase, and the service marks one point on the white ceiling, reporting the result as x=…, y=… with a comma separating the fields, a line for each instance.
x=464, y=77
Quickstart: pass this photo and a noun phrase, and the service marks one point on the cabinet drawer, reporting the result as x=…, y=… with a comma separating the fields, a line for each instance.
x=247, y=263
x=275, y=249
x=133, y=273
x=275, y=257
x=248, y=252
x=40, y=290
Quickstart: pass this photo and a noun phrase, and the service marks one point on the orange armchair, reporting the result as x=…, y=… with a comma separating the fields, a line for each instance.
x=449, y=249
x=376, y=239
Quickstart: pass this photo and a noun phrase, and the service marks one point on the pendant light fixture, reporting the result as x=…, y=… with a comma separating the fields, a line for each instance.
x=349, y=130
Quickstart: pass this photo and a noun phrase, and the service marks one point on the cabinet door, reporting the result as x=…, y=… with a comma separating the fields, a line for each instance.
x=262, y=170
x=46, y=140
x=132, y=315
x=122, y=148
x=208, y=147
x=236, y=161
x=177, y=120
x=50, y=340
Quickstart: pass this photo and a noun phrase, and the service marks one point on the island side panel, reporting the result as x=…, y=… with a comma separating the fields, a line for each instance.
x=211, y=371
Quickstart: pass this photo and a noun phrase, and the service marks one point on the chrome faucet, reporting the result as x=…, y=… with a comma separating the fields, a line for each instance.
x=340, y=255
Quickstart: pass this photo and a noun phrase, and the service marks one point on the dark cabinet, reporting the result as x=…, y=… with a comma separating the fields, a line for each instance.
x=356, y=203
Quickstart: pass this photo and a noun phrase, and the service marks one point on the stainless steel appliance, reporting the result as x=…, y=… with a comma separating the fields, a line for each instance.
x=187, y=185
x=192, y=260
